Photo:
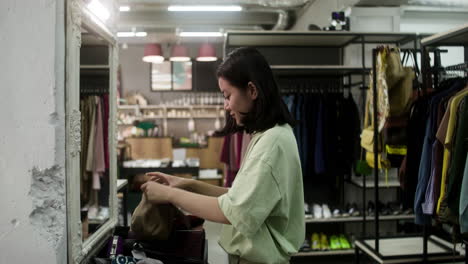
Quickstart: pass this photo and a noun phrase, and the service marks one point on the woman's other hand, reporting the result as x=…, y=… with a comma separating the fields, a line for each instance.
x=156, y=193
x=166, y=179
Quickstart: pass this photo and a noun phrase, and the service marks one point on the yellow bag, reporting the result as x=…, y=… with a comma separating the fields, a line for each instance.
x=382, y=163
x=400, y=95
x=367, y=134
x=393, y=66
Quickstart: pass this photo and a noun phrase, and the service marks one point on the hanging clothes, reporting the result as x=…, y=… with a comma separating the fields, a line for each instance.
x=94, y=156
x=232, y=152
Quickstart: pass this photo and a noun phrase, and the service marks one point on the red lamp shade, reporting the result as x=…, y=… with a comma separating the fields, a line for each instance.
x=179, y=53
x=153, y=53
x=206, y=52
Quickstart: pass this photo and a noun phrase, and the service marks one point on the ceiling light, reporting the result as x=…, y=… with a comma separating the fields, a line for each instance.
x=125, y=34
x=200, y=34
x=179, y=53
x=131, y=34
x=153, y=53
x=99, y=10
x=124, y=8
x=206, y=52
x=141, y=34
x=196, y=8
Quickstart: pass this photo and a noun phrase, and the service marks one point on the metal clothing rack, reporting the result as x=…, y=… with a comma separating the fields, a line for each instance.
x=457, y=37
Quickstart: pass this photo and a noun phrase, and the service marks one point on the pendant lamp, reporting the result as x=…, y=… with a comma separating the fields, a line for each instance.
x=153, y=53
x=206, y=52
x=179, y=53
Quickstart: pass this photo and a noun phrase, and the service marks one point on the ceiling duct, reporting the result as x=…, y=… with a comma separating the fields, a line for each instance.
x=265, y=3
x=438, y=3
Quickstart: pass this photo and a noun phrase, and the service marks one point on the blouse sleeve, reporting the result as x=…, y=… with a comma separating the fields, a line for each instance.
x=252, y=197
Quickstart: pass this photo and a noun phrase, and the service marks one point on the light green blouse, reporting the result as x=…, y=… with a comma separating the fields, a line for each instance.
x=265, y=204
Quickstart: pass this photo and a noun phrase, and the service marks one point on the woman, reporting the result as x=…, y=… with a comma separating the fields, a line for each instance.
x=263, y=212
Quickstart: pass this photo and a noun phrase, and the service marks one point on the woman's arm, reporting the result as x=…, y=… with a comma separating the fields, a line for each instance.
x=203, y=206
x=203, y=188
x=187, y=184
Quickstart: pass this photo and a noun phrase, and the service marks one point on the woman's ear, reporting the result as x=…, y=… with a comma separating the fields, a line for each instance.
x=252, y=90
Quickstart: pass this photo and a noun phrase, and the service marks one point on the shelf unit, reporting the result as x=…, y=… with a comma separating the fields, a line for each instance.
x=370, y=183
x=325, y=39
x=168, y=112
x=455, y=37
x=360, y=219
x=325, y=253
x=331, y=70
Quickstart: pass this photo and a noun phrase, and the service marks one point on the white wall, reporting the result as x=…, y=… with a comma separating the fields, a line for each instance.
x=32, y=199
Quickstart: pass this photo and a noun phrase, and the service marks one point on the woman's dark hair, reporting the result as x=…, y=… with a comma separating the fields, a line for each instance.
x=244, y=65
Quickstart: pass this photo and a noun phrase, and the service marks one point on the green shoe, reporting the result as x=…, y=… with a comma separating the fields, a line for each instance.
x=314, y=242
x=324, y=242
x=335, y=243
x=344, y=242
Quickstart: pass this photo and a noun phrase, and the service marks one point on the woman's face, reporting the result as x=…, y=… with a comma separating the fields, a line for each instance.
x=237, y=102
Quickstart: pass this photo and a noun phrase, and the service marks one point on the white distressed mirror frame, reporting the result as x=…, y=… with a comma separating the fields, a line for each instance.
x=77, y=15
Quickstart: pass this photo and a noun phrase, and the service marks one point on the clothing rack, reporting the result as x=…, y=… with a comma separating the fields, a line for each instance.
x=372, y=247
x=455, y=37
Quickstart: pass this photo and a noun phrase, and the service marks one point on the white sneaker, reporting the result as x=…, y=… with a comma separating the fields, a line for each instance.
x=92, y=212
x=103, y=213
x=317, y=209
x=326, y=211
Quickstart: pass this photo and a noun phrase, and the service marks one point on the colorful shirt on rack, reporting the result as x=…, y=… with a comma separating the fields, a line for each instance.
x=457, y=164
x=452, y=117
x=463, y=209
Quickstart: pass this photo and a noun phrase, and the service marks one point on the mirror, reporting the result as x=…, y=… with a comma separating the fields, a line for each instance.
x=91, y=66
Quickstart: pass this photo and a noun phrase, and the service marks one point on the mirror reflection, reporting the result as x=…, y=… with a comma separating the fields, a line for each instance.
x=94, y=108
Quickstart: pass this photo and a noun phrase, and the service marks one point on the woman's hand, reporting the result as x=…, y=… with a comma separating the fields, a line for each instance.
x=155, y=192
x=166, y=179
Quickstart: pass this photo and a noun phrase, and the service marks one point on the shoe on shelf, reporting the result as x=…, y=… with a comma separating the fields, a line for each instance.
x=103, y=213
x=305, y=246
x=345, y=212
x=306, y=208
x=93, y=212
x=344, y=242
x=307, y=212
x=352, y=210
x=315, y=242
x=334, y=243
x=326, y=211
x=408, y=211
x=370, y=208
x=336, y=212
x=395, y=208
x=383, y=209
x=317, y=209
x=324, y=246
